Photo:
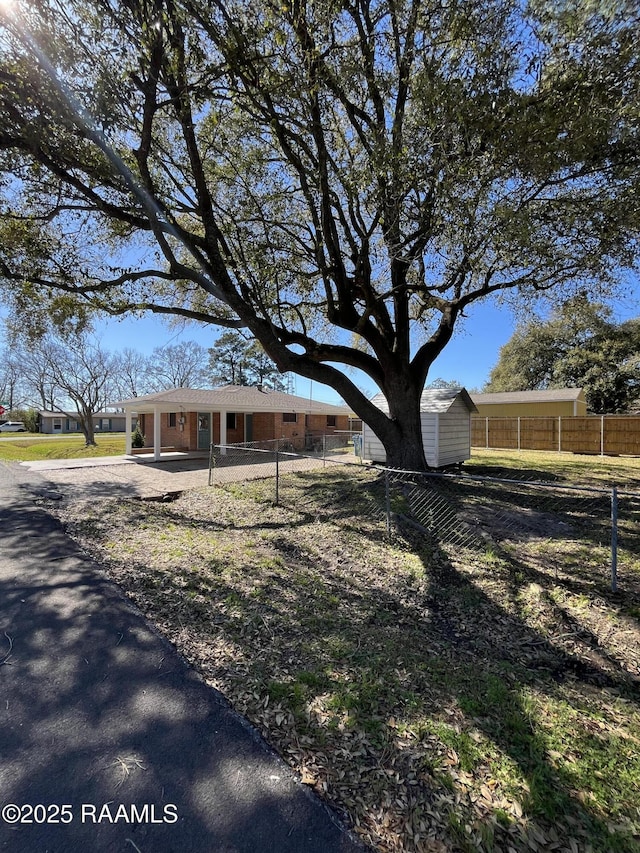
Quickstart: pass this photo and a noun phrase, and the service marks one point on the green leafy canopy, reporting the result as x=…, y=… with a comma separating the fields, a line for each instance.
x=341, y=179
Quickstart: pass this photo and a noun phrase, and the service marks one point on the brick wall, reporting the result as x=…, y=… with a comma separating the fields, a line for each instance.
x=317, y=424
x=235, y=436
x=270, y=425
x=191, y=430
x=174, y=436
x=264, y=426
x=146, y=428
x=289, y=430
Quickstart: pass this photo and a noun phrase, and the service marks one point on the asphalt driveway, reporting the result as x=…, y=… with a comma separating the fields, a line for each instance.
x=109, y=741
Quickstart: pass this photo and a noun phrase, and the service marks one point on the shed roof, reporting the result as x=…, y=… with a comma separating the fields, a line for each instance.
x=433, y=400
x=230, y=398
x=550, y=395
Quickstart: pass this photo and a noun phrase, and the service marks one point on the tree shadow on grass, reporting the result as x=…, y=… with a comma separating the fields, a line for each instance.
x=502, y=682
x=487, y=725
x=524, y=673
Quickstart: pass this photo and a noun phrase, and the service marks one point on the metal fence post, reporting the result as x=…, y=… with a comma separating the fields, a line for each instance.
x=614, y=539
x=277, y=476
x=387, y=498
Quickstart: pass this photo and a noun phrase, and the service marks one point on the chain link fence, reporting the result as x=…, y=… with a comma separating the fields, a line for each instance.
x=594, y=528
x=464, y=511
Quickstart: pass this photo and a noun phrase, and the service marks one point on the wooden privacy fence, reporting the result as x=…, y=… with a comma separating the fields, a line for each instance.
x=607, y=435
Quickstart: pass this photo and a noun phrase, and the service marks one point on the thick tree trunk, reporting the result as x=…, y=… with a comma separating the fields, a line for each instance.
x=86, y=424
x=403, y=442
x=406, y=451
x=89, y=438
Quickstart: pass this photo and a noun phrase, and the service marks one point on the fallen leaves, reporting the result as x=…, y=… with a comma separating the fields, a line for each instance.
x=420, y=697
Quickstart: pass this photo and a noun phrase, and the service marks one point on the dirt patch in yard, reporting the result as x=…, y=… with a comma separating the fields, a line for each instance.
x=442, y=702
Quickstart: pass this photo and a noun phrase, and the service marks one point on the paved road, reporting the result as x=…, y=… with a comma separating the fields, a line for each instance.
x=99, y=714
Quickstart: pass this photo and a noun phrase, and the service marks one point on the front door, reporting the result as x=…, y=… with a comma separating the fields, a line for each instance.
x=204, y=430
x=248, y=427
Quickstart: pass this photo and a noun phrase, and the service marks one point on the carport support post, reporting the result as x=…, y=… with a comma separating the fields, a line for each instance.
x=157, y=434
x=614, y=539
x=223, y=431
x=127, y=432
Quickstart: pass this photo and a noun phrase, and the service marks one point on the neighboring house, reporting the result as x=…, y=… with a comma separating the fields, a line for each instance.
x=445, y=414
x=530, y=404
x=66, y=422
x=192, y=419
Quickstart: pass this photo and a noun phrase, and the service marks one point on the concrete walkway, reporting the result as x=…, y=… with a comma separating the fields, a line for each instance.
x=121, y=476
x=108, y=740
x=186, y=458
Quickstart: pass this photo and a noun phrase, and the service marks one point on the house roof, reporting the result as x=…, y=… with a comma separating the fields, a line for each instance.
x=551, y=395
x=44, y=413
x=433, y=400
x=229, y=398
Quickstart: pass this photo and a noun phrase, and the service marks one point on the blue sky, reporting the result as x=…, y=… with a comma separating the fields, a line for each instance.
x=469, y=357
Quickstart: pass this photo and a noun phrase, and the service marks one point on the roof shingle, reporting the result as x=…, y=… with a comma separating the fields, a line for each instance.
x=232, y=398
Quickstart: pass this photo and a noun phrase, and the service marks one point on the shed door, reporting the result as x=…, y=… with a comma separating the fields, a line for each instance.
x=204, y=430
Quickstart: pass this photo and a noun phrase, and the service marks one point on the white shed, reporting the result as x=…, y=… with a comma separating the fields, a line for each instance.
x=446, y=427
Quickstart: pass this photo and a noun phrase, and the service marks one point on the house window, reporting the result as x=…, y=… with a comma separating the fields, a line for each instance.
x=105, y=423
x=231, y=420
x=289, y=418
x=331, y=420
x=57, y=424
x=172, y=419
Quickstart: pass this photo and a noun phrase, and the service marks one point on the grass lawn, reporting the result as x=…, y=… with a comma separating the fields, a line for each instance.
x=31, y=447
x=570, y=468
x=458, y=701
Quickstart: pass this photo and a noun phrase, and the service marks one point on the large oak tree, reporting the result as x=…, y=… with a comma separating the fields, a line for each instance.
x=343, y=179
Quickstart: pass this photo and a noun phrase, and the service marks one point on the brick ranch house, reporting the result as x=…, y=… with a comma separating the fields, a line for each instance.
x=191, y=419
